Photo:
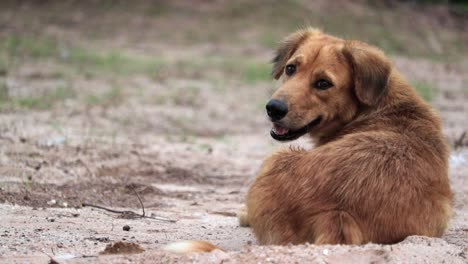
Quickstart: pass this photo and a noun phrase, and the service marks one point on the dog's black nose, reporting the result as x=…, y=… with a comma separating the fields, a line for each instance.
x=276, y=109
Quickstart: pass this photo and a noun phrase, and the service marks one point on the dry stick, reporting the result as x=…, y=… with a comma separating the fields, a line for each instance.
x=131, y=213
x=111, y=210
x=459, y=142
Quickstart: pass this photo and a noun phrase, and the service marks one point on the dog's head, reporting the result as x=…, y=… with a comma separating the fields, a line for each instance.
x=325, y=81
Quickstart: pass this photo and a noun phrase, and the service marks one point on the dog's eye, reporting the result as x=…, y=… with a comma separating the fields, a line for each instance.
x=290, y=69
x=322, y=84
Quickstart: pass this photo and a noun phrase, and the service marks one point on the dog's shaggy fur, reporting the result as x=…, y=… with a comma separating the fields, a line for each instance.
x=378, y=172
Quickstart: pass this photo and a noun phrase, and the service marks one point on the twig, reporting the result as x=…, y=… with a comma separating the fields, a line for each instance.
x=111, y=210
x=129, y=214
x=158, y=218
x=459, y=142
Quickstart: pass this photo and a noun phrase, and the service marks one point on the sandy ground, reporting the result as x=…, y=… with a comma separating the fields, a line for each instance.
x=186, y=139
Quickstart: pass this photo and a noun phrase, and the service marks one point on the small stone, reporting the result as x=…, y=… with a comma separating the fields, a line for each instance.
x=126, y=228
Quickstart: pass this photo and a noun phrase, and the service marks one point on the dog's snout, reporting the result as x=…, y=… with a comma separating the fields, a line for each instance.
x=276, y=109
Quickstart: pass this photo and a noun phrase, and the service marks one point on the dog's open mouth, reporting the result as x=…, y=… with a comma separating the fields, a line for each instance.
x=281, y=133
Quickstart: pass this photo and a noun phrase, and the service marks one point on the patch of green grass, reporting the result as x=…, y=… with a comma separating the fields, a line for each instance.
x=256, y=72
x=112, y=97
x=3, y=65
x=424, y=89
x=270, y=40
x=16, y=48
x=4, y=94
x=45, y=101
x=115, y=62
x=228, y=68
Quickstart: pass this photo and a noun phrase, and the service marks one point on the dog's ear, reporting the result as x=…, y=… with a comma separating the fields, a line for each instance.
x=287, y=49
x=371, y=71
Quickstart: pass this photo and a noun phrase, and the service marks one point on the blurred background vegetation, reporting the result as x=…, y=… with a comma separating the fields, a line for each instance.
x=105, y=54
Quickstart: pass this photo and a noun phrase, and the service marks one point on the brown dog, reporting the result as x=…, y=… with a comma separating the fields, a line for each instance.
x=379, y=170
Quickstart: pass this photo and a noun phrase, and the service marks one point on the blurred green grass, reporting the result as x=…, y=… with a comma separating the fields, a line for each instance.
x=112, y=97
x=409, y=30
x=43, y=101
x=424, y=89
x=46, y=100
x=405, y=29
x=14, y=49
x=241, y=32
x=75, y=61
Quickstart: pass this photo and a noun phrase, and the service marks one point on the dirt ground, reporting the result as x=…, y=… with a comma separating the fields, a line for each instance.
x=107, y=104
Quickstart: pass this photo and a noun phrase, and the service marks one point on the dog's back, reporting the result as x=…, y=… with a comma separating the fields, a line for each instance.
x=391, y=167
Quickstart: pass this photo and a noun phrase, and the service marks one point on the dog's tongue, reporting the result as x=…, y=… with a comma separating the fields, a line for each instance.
x=279, y=130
